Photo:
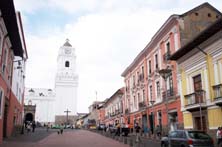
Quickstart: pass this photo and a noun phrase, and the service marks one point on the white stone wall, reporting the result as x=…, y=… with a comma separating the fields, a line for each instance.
x=44, y=99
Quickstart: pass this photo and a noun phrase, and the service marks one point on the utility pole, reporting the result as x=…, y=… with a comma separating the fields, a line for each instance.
x=67, y=116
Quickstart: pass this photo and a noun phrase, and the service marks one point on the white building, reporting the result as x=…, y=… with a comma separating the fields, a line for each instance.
x=50, y=103
x=44, y=99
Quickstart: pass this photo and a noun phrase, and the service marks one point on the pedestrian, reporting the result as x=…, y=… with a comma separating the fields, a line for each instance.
x=33, y=126
x=47, y=127
x=61, y=128
x=117, y=130
x=28, y=127
x=158, y=131
x=219, y=136
x=137, y=129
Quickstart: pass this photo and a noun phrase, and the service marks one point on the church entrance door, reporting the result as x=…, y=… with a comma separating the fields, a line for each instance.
x=29, y=117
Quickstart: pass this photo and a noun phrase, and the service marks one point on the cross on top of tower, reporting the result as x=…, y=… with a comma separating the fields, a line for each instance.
x=67, y=43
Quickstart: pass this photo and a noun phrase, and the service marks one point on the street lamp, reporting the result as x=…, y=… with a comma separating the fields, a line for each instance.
x=164, y=73
x=152, y=103
x=199, y=93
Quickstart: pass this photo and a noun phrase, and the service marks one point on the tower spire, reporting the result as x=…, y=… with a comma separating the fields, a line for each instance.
x=67, y=43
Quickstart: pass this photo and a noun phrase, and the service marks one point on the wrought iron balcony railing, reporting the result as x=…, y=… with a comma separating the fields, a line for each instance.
x=166, y=56
x=169, y=94
x=142, y=105
x=197, y=97
x=127, y=111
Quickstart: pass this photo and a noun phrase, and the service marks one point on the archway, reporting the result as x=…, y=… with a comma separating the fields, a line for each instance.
x=29, y=117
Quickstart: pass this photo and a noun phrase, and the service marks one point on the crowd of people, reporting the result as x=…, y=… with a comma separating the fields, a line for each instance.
x=30, y=126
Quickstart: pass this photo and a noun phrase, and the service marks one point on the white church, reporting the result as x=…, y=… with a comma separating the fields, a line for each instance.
x=52, y=104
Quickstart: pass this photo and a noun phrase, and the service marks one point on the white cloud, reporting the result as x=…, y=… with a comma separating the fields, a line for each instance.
x=106, y=41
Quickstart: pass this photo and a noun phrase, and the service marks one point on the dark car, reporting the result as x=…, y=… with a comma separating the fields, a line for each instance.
x=187, y=138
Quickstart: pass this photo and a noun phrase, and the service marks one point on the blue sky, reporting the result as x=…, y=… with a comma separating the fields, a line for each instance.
x=107, y=36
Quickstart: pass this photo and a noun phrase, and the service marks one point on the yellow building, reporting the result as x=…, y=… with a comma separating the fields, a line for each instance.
x=200, y=79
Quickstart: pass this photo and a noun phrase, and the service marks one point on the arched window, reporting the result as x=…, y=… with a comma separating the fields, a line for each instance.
x=67, y=64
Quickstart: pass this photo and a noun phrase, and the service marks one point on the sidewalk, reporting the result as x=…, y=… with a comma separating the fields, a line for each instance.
x=131, y=139
x=39, y=134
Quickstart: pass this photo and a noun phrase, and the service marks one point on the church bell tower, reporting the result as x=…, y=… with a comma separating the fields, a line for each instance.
x=66, y=83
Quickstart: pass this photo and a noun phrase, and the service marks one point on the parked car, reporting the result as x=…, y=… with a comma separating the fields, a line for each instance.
x=187, y=138
x=101, y=127
x=123, y=129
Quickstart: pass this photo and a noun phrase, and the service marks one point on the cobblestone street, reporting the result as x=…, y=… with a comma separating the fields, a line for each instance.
x=70, y=138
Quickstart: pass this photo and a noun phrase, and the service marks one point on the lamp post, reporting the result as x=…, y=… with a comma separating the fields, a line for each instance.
x=198, y=93
x=152, y=103
x=164, y=73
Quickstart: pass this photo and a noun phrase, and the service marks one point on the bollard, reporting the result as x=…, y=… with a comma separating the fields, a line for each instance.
x=125, y=140
x=131, y=142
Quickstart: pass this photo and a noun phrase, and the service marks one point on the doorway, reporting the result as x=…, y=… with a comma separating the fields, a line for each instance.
x=197, y=121
x=29, y=117
x=5, y=117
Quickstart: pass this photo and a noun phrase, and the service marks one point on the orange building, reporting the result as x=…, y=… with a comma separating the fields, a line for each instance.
x=152, y=96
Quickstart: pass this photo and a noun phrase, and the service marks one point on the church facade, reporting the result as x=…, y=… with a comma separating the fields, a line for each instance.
x=58, y=105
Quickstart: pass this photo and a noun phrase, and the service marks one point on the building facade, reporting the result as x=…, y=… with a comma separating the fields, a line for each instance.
x=152, y=93
x=199, y=70
x=114, y=108
x=42, y=99
x=12, y=48
x=63, y=98
x=66, y=81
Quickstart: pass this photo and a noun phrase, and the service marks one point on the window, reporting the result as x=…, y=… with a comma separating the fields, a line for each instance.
x=134, y=84
x=150, y=70
x=171, y=82
x=135, y=103
x=173, y=134
x=158, y=89
x=156, y=61
x=138, y=77
x=138, y=95
x=209, y=15
x=168, y=47
x=143, y=95
x=1, y=44
x=1, y=101
x=197, y=83
x=151, y=93
x=4, y=60
x=142, y=72
x=67, y=64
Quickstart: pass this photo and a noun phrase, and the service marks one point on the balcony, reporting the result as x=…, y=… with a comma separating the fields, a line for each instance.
x=218, y=94
x=118, y=111
x=171, y=94
x=112, y=114
x=195, y=101
x=166, y=56
x=127, y=111
x=142, y=105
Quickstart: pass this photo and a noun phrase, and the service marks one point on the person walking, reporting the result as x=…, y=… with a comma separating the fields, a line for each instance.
x=137, y=129
x=28, y=127
x=61, y=128
x=219, y=136
x=33, y=126
x=47, y=127
x=158, y=131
